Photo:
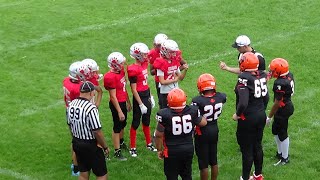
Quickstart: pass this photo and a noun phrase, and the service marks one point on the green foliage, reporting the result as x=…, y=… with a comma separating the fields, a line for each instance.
x=39, y=40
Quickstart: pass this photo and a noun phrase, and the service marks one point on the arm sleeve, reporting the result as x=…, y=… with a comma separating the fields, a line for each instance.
x=94, y=120
x=243, y=99
x=133, y=79
x=278, y=90
x=160, y=73
x=196, y=115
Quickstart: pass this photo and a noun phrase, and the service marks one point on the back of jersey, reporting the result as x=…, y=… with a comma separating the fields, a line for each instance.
x=210, y=107
x=178, y=125
x=256, y=83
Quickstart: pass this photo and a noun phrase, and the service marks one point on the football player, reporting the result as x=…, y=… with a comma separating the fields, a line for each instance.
x=174, y=135
x=71, y=89
x=251, y=90
x=210, y=105
x=142, y=99
x=94, y=78
x=168, y=70
x=242, y=44
x=153, y=55
x=119, y=104
x=282, y=107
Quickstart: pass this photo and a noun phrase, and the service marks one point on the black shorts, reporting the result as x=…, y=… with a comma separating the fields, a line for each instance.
x=89, y=156
x=179, y=162
x=117, y=124
x=281, y=120
x=137, y=116
x=206, y=147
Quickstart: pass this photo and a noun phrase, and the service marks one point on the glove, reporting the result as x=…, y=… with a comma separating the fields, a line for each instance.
x=100, y=77
x=143, y=108
x=153, y=103
x=268, y=121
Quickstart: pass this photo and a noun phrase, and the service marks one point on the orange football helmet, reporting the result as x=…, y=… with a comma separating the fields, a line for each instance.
x=248, y=61
x=177, y=99
x=278, y=67
x=206, y=82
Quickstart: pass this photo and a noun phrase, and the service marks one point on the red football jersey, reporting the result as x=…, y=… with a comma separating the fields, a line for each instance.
x=116, y=81
x=152, y=56
x=71, y=90
x=94, y=80
x=169, y=68
x=141, y=73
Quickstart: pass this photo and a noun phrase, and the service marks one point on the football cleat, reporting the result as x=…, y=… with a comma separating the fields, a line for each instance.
x=133, y=152
x=282, y=161
x=256, y=177
x=73, y=173
x=278, y=156
x=151, y=147
x=118, y=155
x=123, y=146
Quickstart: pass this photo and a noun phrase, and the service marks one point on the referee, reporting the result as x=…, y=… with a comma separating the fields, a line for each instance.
x=87, y=136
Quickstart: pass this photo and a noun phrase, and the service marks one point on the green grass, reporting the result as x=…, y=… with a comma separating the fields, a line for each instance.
x=39, y=40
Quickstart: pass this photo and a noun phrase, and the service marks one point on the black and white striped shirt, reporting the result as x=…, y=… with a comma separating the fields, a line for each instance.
x=83, y=119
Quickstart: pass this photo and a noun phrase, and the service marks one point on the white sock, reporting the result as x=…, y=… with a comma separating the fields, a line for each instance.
x=285, y=148
x=278, y=142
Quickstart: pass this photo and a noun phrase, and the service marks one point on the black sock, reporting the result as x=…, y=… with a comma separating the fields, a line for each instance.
x=75, y=168
x=116, y=150
x=121, y=140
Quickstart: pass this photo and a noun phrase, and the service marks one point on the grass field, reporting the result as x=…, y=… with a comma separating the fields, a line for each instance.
x=39, y=40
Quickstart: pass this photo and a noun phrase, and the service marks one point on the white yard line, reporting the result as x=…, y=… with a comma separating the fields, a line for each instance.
x=16, y=175
x=5, y=5
x=34, y=110
x=284, y=35
x=67, y=33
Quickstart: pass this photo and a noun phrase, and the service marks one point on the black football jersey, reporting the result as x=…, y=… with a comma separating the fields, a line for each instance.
x=179, y=126
x=210, y=107
x=283, y=88
x=256, y=83
x=262, y=62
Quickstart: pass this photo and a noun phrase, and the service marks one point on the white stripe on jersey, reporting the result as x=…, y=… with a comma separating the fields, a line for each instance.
x=83, y=117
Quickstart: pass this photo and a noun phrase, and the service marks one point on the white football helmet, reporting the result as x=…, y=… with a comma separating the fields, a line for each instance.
x=92, y=64
x=83, y=72
x=73, y=70
x=139, y=51
x=115, y=61
x=168, y=47
x=159, y=39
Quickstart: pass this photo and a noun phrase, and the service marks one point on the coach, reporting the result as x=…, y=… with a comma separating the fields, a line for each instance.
x=88, y=138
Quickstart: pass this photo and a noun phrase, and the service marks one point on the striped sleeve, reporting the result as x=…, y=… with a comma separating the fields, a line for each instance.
x=94, y=120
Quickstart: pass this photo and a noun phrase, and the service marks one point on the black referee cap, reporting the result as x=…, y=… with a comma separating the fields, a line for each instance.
x=86, y=87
